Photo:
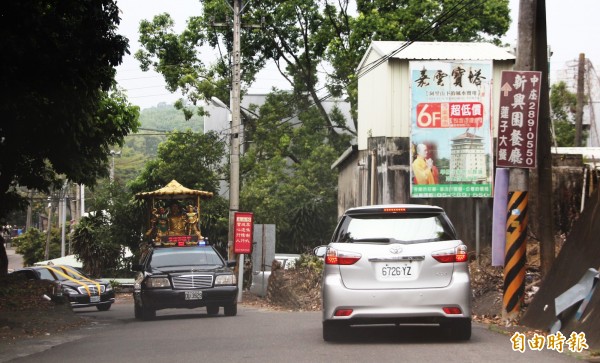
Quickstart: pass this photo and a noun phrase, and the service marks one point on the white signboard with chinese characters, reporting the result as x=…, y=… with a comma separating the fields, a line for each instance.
x=451, y=139
x=518, y=119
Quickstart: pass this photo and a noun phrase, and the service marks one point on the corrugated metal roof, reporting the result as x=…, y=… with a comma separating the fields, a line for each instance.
x=441, y=51
x=345, y=155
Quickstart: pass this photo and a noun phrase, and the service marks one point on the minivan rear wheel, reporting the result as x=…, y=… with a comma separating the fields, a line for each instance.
x=333, y=330
x=459, y=329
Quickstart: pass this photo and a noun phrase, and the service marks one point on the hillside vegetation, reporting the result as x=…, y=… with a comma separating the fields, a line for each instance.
x=142, y=146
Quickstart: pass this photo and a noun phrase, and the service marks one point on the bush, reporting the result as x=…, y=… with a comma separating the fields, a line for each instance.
x=32, y=245
x=310, y=262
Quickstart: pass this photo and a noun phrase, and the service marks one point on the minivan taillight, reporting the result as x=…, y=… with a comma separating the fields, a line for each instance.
x=335, y=257
x=458, y=254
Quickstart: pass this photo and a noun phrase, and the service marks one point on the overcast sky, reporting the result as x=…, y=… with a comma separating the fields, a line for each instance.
x=573, y=26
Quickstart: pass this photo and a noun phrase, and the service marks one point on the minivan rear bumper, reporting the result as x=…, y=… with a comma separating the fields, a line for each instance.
x=396, y=305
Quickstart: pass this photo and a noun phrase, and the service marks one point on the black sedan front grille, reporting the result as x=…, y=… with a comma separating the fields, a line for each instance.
x=192, y=281
x=92, y=289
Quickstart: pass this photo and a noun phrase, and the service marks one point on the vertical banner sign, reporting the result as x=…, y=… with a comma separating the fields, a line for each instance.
x=242, y=232
x=517, y=129
x=451, y=138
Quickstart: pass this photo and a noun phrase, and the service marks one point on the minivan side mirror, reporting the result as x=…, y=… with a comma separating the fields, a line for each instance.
x=320, y=251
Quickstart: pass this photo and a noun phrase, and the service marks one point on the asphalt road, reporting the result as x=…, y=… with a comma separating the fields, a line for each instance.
x=15, y=260
x=256, y=335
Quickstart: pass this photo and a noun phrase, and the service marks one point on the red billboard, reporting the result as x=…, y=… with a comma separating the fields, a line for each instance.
x=242, y=232
x=518, y=119
x=449, y=114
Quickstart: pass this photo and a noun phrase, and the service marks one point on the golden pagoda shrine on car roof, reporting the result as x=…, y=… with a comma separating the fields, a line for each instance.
x=174, y=218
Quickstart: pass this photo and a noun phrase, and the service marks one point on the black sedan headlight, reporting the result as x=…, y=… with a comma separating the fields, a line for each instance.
x=68, y=290
x=157, y=282
x=228, y=279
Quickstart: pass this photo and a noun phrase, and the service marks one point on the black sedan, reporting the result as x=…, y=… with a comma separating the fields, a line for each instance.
x=81, y=290
x=184, y=277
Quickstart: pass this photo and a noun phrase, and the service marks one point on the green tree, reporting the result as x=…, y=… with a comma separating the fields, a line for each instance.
x=60, y=115
x=406, y=20
x=32, y=245
x=116, y=221
x=92, y=242
x=195, y=161
x=288, y=180
x=316, y=47
x=303, y=37
x=563, y=106
x=123, y=213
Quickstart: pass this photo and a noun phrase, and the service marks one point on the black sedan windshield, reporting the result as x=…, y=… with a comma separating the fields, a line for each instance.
x=185, y=257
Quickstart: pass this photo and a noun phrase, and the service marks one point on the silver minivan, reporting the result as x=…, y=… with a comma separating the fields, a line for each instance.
x=396, y=264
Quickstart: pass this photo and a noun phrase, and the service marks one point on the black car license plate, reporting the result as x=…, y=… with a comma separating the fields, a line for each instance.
x=193, y=295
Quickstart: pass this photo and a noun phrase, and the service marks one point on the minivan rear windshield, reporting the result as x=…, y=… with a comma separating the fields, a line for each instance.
x=395, y=228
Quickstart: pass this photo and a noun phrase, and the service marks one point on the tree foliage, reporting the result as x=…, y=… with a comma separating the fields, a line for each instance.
x=563, y=106
x=288, y=180
x=193, y=159
x=32, y=245
x=115, y=222
x=406, y=20
x=316, y=46
x=92, y=242
x=60, y=114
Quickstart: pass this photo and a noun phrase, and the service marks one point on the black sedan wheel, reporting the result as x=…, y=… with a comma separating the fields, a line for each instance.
x=103, y=307
x=230, y=310
x=137, y=311
x=148, y=314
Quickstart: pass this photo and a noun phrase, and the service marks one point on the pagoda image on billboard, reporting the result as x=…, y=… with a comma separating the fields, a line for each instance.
x=468, y=159
x=174, y=215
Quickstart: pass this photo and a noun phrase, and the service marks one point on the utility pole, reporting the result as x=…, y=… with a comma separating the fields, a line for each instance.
x=234, y=142
x=541, y=179
x=29, y=210
x=234, y=158
x=63, y=217
x=580, y=97
x=112, y=166
x=49, y=226
x=518, y=186
x=81, y=200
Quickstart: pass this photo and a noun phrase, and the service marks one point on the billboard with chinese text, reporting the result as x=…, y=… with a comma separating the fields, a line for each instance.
x=451, y=139
x=518, y=119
